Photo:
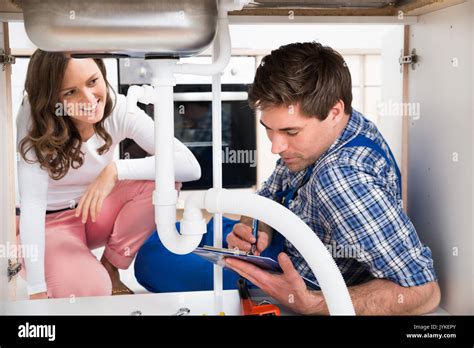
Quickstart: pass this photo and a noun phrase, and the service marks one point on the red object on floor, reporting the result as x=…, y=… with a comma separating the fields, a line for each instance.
x=250, y=308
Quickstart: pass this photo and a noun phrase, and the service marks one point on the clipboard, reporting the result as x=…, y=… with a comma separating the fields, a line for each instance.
x=217, y=255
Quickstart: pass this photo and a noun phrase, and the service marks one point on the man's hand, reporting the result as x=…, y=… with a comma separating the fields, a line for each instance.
x=241, y=238
x=375, y=297
x=287, y=288
x=39, y=296
x=97, y=191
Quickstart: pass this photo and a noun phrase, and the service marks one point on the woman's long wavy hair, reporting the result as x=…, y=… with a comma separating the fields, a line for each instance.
x=54, y=139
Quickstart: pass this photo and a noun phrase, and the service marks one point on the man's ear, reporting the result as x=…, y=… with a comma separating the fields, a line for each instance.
x=336, y=114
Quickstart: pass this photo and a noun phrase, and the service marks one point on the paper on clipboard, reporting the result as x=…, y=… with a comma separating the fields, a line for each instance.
x=217, y=255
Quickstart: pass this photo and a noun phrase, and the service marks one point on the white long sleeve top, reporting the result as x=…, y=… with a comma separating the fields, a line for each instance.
x=38, y=192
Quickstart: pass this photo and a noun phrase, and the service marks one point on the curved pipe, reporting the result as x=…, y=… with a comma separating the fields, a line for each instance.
x=134, y=93
x=193, y=226
x=297, y=233
x=223, y=41
x=144, y=94
x=165, y=195
x=223, y=37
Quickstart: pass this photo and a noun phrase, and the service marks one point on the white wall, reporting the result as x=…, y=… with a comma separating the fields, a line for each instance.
x=440, y=171
x=338, y=36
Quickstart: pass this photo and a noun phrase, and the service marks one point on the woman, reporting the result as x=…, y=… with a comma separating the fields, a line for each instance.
x=74, y=195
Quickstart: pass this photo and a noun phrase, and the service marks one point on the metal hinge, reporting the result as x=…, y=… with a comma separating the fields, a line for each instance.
x=6, y=59
x=13, y=269
x=412, y=59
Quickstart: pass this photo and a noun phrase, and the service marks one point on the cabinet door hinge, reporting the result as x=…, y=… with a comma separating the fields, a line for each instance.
x=411, y=59
x=6, y=59
x=13, y=269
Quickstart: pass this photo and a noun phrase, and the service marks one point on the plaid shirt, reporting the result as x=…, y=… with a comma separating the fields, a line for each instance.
x=353, y=203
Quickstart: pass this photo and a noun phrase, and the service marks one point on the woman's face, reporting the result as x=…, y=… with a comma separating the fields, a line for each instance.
x=84, y=92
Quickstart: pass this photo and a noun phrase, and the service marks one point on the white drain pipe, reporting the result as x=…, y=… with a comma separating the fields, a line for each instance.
x=165, y=195
x=218, y=65
x=296, y=232
x=218, y=275
x=223, y=40
x=193, y=225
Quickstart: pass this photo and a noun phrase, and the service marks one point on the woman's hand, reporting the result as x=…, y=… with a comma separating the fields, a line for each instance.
x=39, y=296
x=97, y=191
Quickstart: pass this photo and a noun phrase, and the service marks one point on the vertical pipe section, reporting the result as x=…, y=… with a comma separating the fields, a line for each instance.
x=405, y=119
x=164, y=135
x=217, y=170
x=165, y=194
x=193, y=226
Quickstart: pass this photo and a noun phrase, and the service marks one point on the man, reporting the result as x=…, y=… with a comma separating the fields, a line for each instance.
x=337, y=173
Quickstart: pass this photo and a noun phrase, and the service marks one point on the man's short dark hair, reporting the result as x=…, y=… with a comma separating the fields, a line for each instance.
x=309, y=74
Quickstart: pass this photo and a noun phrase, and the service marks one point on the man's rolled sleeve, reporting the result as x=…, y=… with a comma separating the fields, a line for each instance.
x=364, y=215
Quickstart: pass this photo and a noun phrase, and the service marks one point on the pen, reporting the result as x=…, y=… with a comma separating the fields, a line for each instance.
x=254, y=233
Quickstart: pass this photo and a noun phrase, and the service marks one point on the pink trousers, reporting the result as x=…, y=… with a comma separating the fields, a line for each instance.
x=124, y=223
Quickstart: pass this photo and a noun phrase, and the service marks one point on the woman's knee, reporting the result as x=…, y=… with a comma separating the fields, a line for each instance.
x=145, y=185
x=150, y=185
x=82, y=282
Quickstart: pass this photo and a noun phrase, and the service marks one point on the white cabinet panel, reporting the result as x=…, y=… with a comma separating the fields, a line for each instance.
x=441, y=149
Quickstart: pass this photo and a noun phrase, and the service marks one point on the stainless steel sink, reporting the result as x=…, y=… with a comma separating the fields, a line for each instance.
x=135, y=28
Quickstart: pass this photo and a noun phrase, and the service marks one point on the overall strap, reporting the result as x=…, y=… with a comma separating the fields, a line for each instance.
x=361, y=140
x=285, y=196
